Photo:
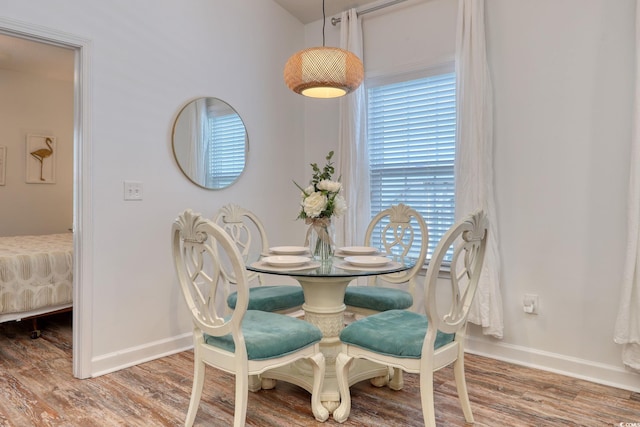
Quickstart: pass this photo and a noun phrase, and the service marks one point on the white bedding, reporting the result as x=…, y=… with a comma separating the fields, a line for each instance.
x=36, y=275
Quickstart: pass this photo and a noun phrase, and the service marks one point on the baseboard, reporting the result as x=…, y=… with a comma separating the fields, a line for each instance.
x=609, y=375
x=144, y=353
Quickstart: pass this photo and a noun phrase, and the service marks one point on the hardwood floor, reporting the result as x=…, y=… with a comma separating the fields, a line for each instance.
x=38, y=389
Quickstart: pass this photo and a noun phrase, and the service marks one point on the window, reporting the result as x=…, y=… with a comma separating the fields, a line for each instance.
x=411, y=141
x=226, y=152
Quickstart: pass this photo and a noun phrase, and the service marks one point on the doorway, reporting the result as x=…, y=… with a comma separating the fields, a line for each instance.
x=82, y=227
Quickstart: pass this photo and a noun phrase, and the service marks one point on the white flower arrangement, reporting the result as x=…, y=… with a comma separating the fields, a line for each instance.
x=322, y=198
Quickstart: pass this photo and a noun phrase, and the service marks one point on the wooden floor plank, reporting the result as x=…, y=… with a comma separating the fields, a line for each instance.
x=37, y=389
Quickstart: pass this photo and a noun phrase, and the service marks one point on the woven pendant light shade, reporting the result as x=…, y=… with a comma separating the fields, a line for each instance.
x=323, y=72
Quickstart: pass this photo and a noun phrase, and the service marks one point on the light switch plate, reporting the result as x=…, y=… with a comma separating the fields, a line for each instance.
x=132, y=190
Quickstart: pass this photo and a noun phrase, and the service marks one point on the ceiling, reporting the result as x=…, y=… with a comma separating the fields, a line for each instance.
x=311, y=10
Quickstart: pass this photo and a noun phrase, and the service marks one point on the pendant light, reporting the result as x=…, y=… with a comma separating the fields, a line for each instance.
x=323, y=72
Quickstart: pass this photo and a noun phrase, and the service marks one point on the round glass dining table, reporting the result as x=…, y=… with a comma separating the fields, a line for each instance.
x=324, y=286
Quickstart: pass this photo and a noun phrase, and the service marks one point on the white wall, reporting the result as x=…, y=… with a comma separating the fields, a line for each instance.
x=563, y=84
x=563, y=98
x=33, y=104
x=149, y=58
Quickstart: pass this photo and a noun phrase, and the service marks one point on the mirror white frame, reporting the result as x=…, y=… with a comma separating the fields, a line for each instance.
x=210, y=143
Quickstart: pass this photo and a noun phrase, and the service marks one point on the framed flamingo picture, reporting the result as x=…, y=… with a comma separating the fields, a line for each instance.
x=41, y=159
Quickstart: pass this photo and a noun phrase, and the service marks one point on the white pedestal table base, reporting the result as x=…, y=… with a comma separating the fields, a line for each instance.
x=324, y=307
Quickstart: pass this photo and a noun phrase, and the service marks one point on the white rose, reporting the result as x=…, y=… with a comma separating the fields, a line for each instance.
x=310, y=189
x=331, y=186
x=314, y=204
x=339, y=205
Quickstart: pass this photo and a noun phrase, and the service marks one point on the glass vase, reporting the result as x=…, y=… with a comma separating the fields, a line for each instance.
x=321, y=239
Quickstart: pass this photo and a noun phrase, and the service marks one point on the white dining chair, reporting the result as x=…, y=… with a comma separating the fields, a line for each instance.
x=402, y=230
x=250, y=237
x=417, y=343
x=246, y=342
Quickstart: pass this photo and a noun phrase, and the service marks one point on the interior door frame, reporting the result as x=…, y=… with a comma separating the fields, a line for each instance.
x=82, y=221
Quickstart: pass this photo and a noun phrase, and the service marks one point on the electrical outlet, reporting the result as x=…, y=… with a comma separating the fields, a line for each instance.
x=530, y=304
x=132, y=190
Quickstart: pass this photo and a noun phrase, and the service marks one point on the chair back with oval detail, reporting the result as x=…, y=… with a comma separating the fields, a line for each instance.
x=398, y=231
x=249, y=235
x=403, y=232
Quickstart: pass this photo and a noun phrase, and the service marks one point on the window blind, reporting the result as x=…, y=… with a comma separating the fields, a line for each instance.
x=411, y=141
x=228, y=144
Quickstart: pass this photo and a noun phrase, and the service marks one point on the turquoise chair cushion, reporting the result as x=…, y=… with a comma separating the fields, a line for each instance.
x=271, y=298
x=377, y=298
x=397, y=333
x=269, y=335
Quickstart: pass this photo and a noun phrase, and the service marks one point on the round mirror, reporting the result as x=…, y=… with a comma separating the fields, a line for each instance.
x=210, y=143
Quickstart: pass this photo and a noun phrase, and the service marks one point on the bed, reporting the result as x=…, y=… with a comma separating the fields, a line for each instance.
x=36, y=277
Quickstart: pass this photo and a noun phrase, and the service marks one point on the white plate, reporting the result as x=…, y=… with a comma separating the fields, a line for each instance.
x=289, y=250
x=359, y=250
x=306, y=266
x=367, y=261
x=286, y=260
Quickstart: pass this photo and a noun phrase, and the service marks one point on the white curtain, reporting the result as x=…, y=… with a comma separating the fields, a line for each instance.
x=353, y=156
x=198, y=136
x=474, y=155
x=627, y=329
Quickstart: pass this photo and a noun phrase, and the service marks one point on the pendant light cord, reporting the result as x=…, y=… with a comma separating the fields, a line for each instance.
x=324, y=20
